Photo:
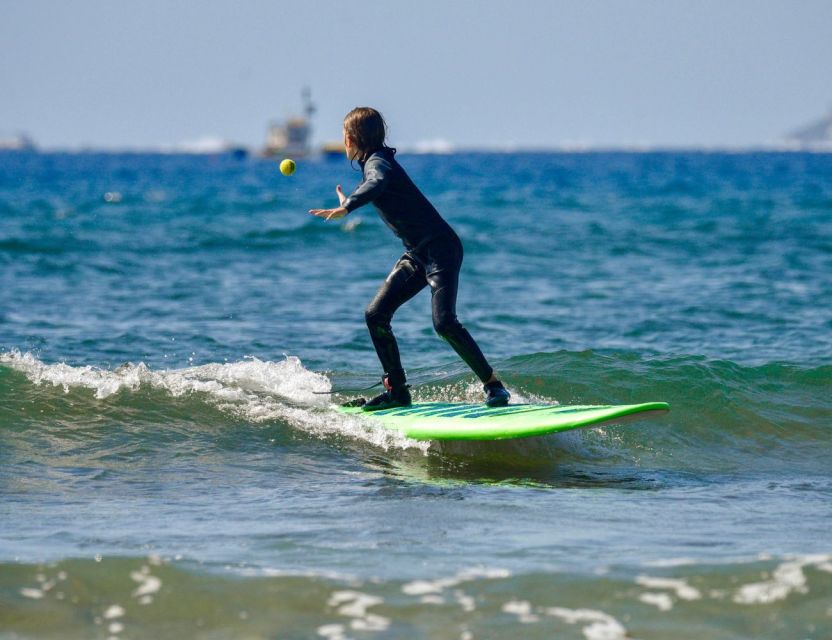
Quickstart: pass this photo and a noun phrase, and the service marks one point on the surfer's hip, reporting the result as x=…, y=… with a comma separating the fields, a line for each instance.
x=438, y=253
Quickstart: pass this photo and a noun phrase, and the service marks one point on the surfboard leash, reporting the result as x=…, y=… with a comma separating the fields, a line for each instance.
x=343, y=389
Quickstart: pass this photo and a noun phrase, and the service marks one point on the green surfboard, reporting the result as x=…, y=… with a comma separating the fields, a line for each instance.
x=458, y=421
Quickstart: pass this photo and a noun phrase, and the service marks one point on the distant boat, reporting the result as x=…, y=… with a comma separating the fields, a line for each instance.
x=816, y=136
x=333, y=150
x=291, y=137
x=18, y=142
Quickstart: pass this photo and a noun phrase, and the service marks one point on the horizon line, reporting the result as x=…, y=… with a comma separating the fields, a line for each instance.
x=421, y=149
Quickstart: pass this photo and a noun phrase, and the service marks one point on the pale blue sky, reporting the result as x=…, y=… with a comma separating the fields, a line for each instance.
x=529, y=73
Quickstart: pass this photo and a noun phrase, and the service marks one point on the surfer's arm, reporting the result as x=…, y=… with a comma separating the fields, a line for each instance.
x=376, y=176
x=329, y=214
x=332, y=214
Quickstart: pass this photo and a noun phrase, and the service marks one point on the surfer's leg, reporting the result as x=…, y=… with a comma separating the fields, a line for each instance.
x=405, y=280
x=444, y=289
x=443, y=277
x=444, y=282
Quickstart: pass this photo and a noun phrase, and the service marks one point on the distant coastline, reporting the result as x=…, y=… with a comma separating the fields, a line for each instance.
x=462, y=150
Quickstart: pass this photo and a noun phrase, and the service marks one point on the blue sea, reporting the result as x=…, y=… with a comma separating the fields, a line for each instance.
x=169, y=469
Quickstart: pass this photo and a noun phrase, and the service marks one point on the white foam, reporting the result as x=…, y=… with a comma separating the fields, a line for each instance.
x=354, y=604
x=270, y=572
x=787, y=578
x=231, y=381
x=683, y=589
x=423, y=587
x=661, y=600
x=114, y=611
x=332, y=631
x=351, y=225
x=470, y=392
x=420, y=587
x=148, y=584
x=287, y=379
x=465, y=601
x=671, y=562
x=602, y=625
x=327, y=423
x=256, y=390
x=358, y=603
x=522, y=609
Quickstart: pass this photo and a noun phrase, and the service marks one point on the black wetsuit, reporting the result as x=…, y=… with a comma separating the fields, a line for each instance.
x=433, y=257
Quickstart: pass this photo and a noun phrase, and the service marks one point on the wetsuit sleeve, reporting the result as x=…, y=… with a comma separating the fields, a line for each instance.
x=377, y=174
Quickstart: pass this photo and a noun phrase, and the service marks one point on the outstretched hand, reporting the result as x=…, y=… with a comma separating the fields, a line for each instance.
x=332, y=214
x=329, y=214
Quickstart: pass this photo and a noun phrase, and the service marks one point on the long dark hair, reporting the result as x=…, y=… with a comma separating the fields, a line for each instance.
x=367, y=129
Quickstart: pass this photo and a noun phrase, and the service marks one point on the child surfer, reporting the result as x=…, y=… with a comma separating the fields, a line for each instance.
x=433, y=257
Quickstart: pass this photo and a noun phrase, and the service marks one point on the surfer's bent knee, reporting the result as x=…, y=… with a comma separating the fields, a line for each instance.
x=376, y=318
x=446, y=325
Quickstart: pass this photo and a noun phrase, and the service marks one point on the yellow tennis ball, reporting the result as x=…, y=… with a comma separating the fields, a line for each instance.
x=287, y=167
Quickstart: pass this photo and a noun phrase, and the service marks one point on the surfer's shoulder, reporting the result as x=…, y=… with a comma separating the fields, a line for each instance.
x=384, y=155
x=379, y=163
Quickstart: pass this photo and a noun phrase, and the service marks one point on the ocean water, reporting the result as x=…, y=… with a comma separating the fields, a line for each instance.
x=167, y=469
